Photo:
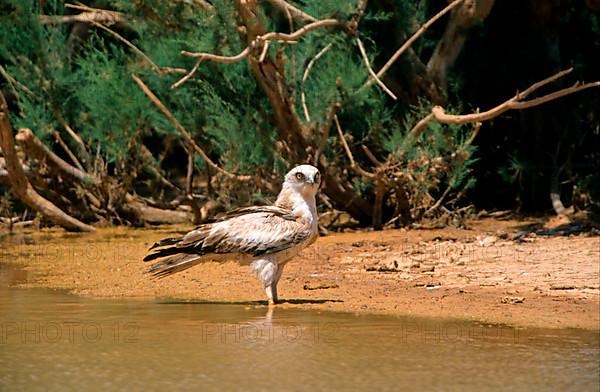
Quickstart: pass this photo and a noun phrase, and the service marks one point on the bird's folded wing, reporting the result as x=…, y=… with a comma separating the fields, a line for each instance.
x=256, y=231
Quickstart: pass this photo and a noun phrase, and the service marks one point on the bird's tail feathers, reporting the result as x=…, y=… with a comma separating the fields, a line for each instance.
x=170, y=251
x=173, y=264
x=166, y=242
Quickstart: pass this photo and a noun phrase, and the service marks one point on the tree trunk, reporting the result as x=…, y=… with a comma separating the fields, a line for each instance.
x=270, y=74
x=462, y=18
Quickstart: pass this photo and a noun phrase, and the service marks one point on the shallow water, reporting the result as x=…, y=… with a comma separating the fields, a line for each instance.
x=50, y=340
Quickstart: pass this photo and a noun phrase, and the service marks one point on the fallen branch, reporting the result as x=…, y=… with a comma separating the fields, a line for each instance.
x=81, y=148
x=67, y=150
x=150, y=166
x=36, y=147
x=22, y=187
x=186, y=135
x=411, y=40
x=155, y=215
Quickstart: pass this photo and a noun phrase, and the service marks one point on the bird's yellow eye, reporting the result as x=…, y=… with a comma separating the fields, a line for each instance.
x=299, y=176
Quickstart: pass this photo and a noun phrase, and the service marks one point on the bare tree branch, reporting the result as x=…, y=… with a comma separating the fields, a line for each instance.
x=512, y=104
x=296, y=13
x=66, y=149
x=83, y=152
x=305, y=76
x=14, y=82
x=271, y=36
x=188, y=75
x=411, y=40
x=205, y=5
x=371, y=156
x=186, y=135
x=217, y=58
x=438, y=203
x=98, y=16
x=118, y=36
x=358, y=14
x=21, y=185
x=353, y=163
x=371, y=72
x=324, y=128
x=264, y=52
x=36, y=147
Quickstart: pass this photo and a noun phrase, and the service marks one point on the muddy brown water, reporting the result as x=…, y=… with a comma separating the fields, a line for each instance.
x=50, y=340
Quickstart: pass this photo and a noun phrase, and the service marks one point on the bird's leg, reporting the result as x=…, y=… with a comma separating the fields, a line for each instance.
x=267, y=272
x=273, y=285
x=271, y=291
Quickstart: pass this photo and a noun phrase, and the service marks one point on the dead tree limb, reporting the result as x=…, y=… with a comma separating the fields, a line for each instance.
x=155, y=68
x=205, y=5
x=187, y=76
x=411, y=40
x=295, y=137
x=34, y=146
x=67, y=150
x=363, y=53
x=311, y=63
x=150, y=165
x=261, y=38
x=378, y=177
x=98, y=16
x=216, y=58
x=186, y=135
x=448, y=48
x=81, y=148
x=439, y=201
x=353, y=163
x=295, y=12
x=22, y=187
x=189, y=187
x=14, y=82
x=515, y=103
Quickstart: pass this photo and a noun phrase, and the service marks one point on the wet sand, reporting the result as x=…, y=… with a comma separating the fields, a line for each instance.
x=483, y=273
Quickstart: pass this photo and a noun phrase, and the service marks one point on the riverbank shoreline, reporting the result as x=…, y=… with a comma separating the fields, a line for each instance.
x=495, y=271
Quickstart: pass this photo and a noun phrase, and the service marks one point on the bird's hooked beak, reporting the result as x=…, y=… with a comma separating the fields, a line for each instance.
x=311, y=180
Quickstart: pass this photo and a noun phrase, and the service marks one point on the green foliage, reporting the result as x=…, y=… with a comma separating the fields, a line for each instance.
x=440, y=159
x=83, y=76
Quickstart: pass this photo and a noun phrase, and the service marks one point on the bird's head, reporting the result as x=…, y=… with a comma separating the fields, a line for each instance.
x=304, y=179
